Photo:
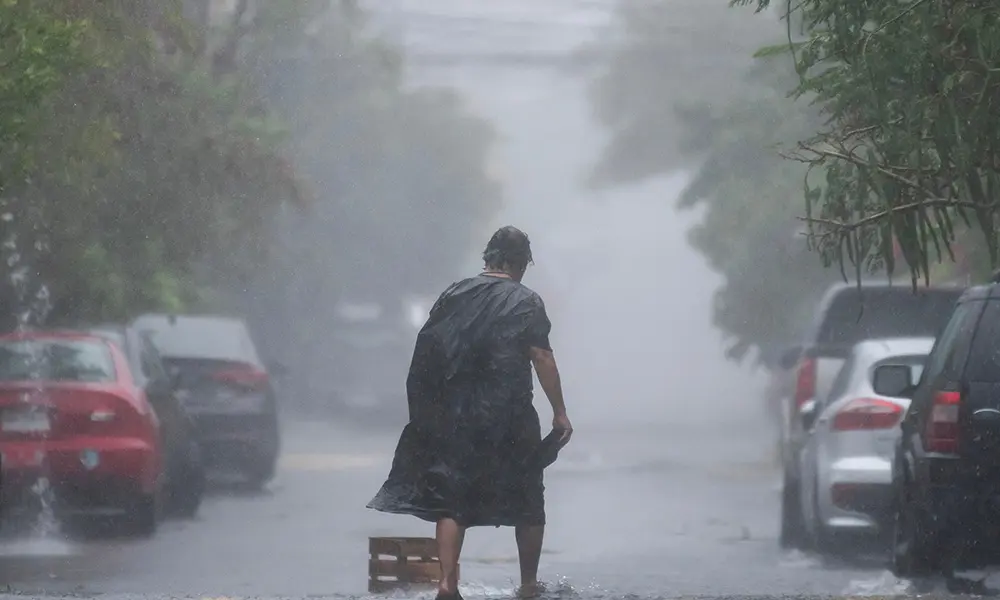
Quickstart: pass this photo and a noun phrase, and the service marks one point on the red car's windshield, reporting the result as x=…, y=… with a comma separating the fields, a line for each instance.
x=88, y=361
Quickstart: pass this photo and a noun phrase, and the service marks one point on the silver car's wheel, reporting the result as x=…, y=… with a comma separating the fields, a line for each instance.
x=824, y=540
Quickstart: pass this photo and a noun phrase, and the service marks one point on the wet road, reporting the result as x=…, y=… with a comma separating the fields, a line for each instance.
x=657, y=512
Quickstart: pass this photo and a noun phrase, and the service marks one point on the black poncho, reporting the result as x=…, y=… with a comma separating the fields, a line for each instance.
x=465, y=452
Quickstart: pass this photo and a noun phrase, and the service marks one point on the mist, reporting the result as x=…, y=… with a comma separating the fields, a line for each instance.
x=630, y=300
x=404, y=133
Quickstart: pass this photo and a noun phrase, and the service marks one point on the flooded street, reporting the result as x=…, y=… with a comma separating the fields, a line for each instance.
x=656, y=513
x=670, y=487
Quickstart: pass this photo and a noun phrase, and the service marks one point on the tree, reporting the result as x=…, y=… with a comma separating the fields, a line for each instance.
x=153, y=161
x=36, y=51
x=909, y=152
x=675, y=98
x=751, y=198
x=399, y=177
x=657, y=56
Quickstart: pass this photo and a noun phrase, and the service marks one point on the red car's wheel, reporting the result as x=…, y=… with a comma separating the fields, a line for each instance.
x=142, y=516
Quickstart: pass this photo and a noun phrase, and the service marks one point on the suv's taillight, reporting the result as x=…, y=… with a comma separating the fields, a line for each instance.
x=247, y=377
x=942, y=425
x=805, y=382
x=867, y=413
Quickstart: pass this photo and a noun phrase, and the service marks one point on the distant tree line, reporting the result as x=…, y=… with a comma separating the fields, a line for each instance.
x=181, y=155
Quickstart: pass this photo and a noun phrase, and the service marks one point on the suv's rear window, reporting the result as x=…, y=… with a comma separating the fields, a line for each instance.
x=984, y=358
x=56, y=360
x=885, y=312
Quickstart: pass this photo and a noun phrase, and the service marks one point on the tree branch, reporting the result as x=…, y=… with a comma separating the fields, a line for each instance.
x=850, y=157
x=843, y=227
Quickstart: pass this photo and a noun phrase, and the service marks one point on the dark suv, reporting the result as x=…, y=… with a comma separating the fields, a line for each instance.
x=946, y=469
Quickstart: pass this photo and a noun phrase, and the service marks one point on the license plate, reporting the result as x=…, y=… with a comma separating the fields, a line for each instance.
x=27, y=421
x=13, y=459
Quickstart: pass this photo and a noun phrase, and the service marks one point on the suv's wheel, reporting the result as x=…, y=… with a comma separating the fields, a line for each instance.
x=793, y=530
x=911, y=547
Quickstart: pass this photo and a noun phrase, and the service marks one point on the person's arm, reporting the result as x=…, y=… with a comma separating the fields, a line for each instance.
x=540, y=352
x=548, y=375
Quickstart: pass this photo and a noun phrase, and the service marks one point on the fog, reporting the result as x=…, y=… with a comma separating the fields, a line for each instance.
x=223, y=224
x=670, y=472
x=630, y=300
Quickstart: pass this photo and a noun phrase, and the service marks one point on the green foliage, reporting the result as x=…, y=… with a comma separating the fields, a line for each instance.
x=911, y=97
x=144, y=162
x=153, y=157
x=398, y=174
x=36, y=50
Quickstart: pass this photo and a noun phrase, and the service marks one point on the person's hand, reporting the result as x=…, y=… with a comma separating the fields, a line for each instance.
x=561, y=423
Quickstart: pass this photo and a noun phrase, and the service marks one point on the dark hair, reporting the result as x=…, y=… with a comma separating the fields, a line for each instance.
x=509, y=247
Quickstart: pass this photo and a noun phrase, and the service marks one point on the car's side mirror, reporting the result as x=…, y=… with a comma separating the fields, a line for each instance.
x=807, y=414
x=894, y=381
x=790, y=357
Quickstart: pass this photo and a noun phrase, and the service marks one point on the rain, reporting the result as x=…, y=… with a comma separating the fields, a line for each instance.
x=237, y=229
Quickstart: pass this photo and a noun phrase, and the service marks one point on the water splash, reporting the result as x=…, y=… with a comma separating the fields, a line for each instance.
x=885, y=584
x=32, y=305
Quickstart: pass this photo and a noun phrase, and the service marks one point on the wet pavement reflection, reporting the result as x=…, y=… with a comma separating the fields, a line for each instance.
x=653, y=513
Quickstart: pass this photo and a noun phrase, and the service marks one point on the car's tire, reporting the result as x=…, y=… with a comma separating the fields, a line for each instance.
x=187, y=493
x=142, y=516
x=793, y=535
x=259, y=473
x=823, y=540
x=912, y=549
x=260, y=470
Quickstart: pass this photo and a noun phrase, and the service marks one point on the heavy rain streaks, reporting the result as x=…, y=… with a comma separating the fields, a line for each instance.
x=274, y=195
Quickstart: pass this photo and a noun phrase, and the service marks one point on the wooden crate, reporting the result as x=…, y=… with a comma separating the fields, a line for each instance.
x=399, y=563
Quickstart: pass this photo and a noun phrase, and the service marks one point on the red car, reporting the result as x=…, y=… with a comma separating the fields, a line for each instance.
x=72, y=414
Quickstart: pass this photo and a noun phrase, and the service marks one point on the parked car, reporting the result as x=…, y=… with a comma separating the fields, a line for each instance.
x=946, y=469
x=369, y=345
x=225, y=387
x=184, y=469
x=846, y=458
x=846, y=315
x=73, y=414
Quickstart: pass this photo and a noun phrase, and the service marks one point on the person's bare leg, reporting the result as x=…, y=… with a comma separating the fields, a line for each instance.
x=529, y=553
x=450, y=537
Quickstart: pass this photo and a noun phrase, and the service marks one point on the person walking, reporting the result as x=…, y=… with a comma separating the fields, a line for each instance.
x=469, y=455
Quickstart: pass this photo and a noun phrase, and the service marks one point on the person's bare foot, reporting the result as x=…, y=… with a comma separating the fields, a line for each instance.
x=446, y=594
x=527, y=591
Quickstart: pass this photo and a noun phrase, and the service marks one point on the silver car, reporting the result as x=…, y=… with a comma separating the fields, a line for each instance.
x=846, y=458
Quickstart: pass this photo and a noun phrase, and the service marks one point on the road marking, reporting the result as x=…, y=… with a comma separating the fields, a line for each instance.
x=330, y=462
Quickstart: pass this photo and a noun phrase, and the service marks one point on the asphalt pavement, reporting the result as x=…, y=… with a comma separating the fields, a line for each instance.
x=650, y=512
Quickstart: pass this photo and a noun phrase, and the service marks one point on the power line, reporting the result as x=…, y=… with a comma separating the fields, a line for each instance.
x=512, y=59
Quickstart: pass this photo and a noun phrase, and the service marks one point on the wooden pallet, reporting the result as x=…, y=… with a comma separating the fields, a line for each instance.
x=399, y=563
